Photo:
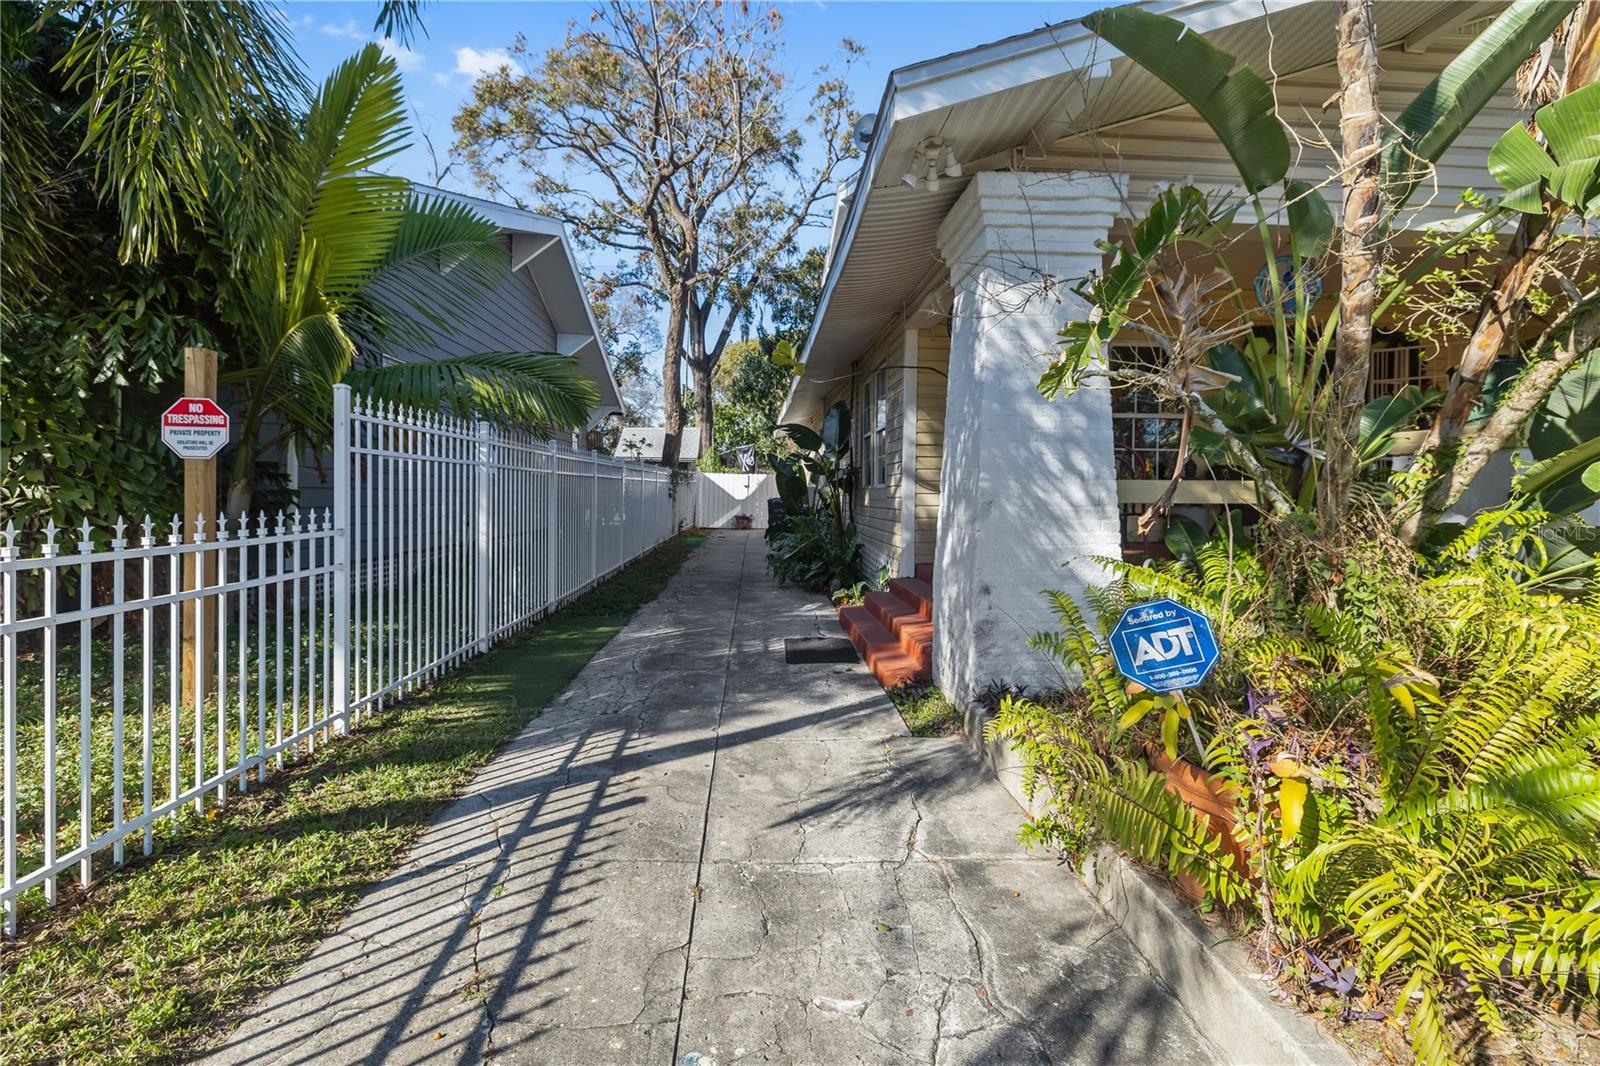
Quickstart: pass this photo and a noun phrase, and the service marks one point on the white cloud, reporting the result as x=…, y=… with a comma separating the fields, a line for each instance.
x=347, y=29
x=404, y=58
x=475, y=63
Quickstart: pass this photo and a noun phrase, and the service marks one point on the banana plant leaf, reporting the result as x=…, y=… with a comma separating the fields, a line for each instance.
x=1438, y=114
x=1564, y=438
x=1310, y=219
x=804, y=437
x=1523, y=167
x=791, y=485
x=1183, y=537
x=1235, y=103
x=1385, y=416
x=1563, y=483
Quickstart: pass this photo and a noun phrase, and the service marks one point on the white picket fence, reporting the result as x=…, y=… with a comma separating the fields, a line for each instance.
x=445, y=537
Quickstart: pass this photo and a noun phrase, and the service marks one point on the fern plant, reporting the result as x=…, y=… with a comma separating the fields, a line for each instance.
x=1414, y=760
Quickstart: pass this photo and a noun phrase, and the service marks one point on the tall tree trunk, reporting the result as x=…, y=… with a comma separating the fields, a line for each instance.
x=701, y=365
x=1532, y=388
x=671, y=383
x=1497, y=316
x=703, y=411
x=1359, y=256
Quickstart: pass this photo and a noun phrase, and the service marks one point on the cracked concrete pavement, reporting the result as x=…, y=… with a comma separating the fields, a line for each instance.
x=700, y=855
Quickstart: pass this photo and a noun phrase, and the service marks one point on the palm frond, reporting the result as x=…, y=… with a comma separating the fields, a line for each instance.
x=356, y=122
x=539, y=391
x=168, y=85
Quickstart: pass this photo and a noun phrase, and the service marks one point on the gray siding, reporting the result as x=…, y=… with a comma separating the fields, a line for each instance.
x=512, y=317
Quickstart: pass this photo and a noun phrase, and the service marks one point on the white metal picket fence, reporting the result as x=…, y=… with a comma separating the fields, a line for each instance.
x=445, y=537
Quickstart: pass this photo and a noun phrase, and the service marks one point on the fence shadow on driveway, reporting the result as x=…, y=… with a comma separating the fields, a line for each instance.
x=697, y=846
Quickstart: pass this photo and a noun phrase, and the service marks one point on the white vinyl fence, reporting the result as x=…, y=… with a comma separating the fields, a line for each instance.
x=714, y=501
x=445, y=537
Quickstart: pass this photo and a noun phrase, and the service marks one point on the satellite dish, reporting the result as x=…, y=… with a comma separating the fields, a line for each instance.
x=864, y=128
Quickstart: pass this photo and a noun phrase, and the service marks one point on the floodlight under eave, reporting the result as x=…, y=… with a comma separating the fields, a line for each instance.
x=952, y=168
x=931, y=183
x=909, y=179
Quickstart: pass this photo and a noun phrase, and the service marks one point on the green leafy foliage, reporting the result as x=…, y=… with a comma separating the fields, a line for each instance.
x=1235, y=103
x=1524, y=167
x=810, y=550
x=1183, y=214
x=1564, y=438
x=307, y=293
x=1438, y=114
x=1413, y=757
x=815, y=545
x=1277, y=432
x=751, y=385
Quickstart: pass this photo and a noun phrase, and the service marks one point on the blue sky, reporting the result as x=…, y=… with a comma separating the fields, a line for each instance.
x=463, y=38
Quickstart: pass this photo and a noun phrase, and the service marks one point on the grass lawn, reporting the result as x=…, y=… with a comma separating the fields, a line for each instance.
x=926, y=711
x=155, y=960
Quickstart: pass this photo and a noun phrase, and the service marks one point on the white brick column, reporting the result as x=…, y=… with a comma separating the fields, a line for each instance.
x=1028, y=486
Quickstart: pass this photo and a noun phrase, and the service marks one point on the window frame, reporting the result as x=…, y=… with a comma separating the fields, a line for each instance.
x=1131, y=409
x=880, y=427
x=1388, y=353
x=863, y=463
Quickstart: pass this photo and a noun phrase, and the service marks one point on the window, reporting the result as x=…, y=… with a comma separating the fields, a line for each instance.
x=1144, y=430
x=1396, y=363
x=864, y=460
x=872, y=416
x=880, y=426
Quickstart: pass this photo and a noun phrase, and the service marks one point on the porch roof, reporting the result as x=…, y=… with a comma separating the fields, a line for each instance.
x=1004, y=104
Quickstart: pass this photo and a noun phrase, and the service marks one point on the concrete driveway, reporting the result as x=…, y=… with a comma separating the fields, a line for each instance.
x=701, y=855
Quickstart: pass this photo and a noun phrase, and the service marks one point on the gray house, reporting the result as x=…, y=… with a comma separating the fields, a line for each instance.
x=647, y=443
x=540, y=305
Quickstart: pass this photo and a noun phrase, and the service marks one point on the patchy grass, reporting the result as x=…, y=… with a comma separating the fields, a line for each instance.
x=926, y=710
x=152, y=962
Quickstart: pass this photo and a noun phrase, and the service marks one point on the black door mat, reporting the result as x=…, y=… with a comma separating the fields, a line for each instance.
x=819, y=650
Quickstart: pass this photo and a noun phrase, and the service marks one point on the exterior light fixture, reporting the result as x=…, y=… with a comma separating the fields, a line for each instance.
x=931, y=183
x=952, y=169
x=909, y=179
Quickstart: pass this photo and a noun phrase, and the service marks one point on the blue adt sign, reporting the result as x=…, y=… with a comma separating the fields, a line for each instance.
x=1164, y=646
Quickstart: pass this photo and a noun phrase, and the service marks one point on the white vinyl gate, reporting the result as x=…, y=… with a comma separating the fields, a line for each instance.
x=445, y=537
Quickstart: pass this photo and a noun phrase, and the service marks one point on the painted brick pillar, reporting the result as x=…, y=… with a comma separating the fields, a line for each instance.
x=1028, y=486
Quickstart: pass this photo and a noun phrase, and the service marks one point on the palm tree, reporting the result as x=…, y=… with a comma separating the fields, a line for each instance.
x=307, y=237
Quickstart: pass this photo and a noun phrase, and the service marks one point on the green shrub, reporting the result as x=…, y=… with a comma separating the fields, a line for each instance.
x=814, y=552
x=1414, y=752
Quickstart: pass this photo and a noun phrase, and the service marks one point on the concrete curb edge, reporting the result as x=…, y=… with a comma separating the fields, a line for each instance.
x=1206, y=971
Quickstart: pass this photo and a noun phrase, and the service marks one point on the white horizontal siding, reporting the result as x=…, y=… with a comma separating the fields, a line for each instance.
x=1178, y=145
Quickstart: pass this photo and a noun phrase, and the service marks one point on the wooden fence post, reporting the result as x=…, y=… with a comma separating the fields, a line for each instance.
x=199, y=499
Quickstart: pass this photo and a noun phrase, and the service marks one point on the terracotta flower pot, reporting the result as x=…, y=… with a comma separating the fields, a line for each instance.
x=1212, y=796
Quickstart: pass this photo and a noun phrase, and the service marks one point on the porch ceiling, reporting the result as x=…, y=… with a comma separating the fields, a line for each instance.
x=1003, y=104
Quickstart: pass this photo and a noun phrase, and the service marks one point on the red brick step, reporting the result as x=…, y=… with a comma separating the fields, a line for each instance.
x=914, y=632
x=915, y=594
x=879, y=648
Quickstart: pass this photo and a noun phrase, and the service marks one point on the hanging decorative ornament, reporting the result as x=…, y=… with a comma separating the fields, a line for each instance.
x=1284, y=264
